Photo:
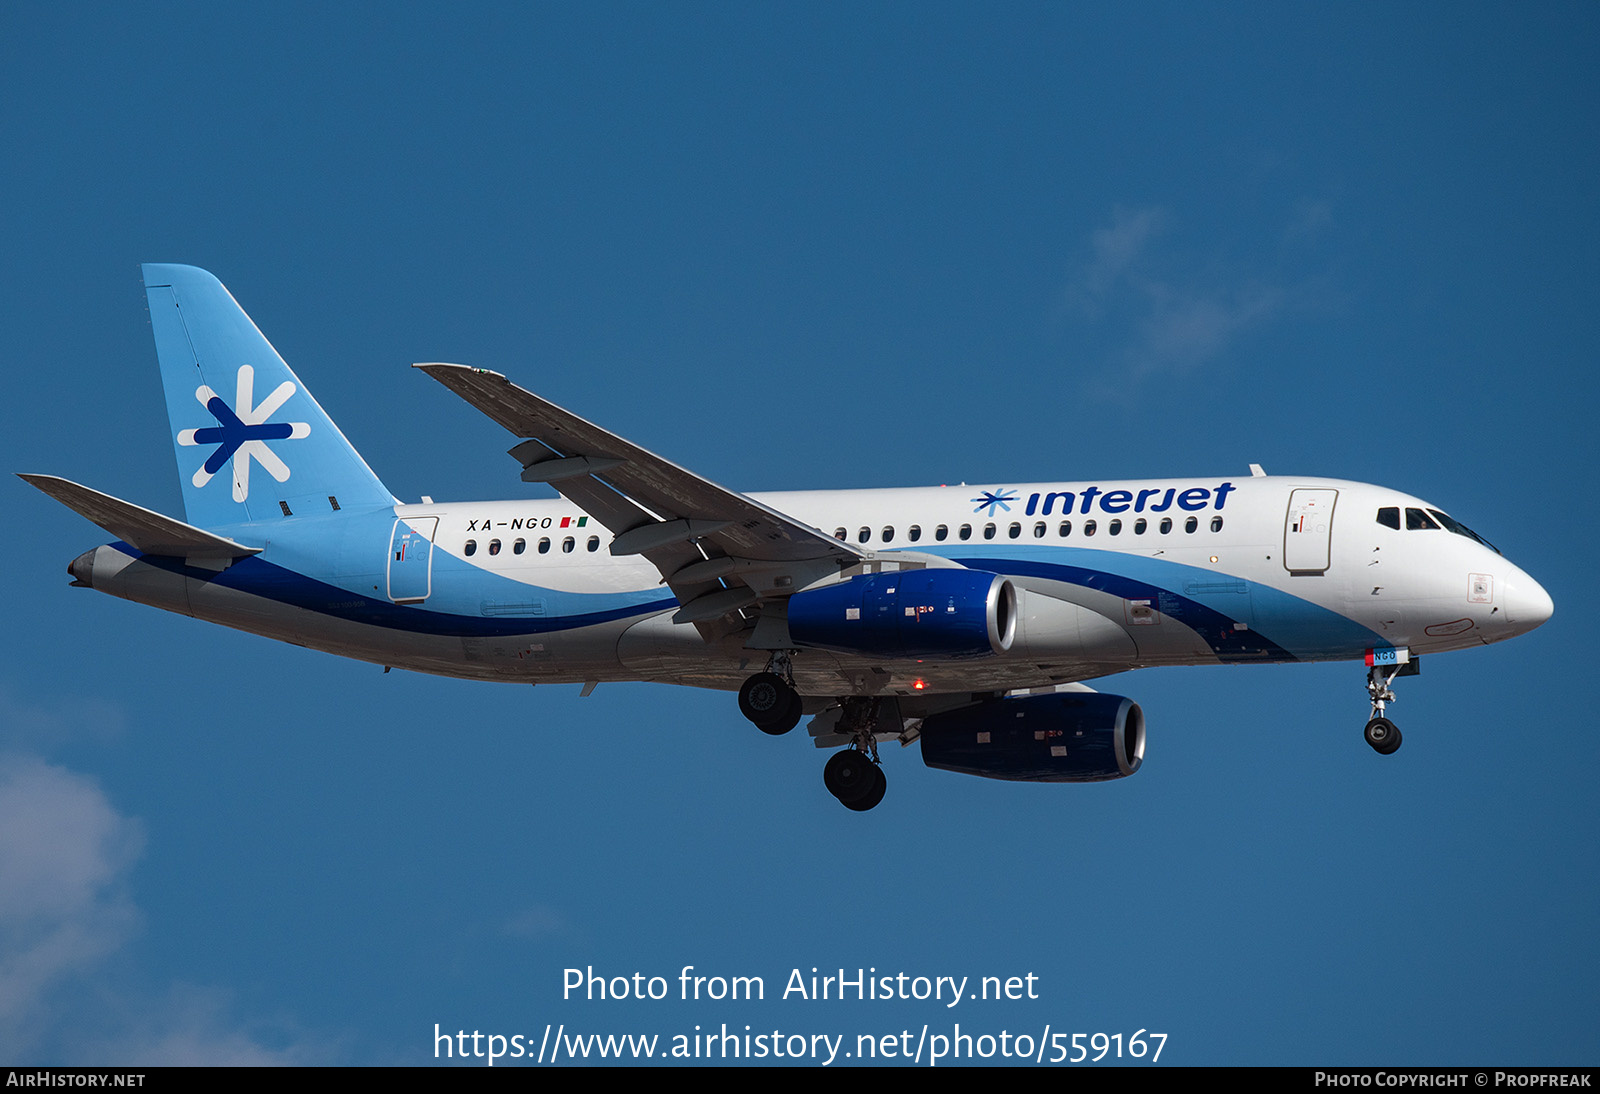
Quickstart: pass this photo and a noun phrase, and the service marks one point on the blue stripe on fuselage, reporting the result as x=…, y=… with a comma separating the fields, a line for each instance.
x=1282, y=627
x=285, y=586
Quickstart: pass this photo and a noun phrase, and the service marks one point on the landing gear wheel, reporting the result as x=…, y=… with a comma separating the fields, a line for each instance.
x=853, y=778
x=790, y=719
x=1383, y=735
x=768, y=701
x=873, y=796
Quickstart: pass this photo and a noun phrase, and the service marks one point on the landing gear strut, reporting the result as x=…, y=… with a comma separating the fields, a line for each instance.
x=1382, y=734
x=769, y=699
x=854, y=775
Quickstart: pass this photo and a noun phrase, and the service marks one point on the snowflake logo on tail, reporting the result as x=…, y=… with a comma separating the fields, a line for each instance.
x=241, y=435
x=992, y=500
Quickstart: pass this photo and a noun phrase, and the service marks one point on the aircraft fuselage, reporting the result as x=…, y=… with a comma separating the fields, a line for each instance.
x=1174, y=572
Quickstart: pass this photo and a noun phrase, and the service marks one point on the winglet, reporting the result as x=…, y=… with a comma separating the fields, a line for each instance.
x=141, y=528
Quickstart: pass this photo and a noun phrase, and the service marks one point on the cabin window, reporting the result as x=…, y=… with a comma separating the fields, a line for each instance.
x=988, y=531
x=1015, y=530
x=1216, y=524
x=941, y=533
x=568, y=544
x=1038, y=530
x=471, y=548
x=863, y=535
x=1089, y=527
x=1389, y=517
x=914, y=533
x=1065, y=530
x=888, y=532
x=838, y=533
x=965, y=532
x=1191, y=524
x=594, y=544
x=544, y=545
x=1139, y=526
x=494, y=546
x=1115, y=527
x=520, y=546
x=1166, y=525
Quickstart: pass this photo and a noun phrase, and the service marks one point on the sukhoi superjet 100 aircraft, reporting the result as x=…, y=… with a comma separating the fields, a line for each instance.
x=962, y=618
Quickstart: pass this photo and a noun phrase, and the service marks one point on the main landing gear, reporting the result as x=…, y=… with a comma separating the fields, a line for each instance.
x=1382, y=734
x=769, y=699
x=855, y=779
x=855, y=776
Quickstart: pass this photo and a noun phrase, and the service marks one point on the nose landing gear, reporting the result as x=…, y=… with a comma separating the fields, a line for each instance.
x=1382, y=734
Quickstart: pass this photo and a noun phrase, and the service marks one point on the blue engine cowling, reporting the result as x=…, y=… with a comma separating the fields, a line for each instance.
x=933, y=612
x=1075, y=736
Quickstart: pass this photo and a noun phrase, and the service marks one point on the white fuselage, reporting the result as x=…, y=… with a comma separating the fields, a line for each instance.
x=1113, y=576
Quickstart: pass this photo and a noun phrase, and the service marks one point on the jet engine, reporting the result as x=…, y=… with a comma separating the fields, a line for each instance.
x=936, y=612
x=1074, y=736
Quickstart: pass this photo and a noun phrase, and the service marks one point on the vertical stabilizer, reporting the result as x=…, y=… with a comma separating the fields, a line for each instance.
x=252, y=444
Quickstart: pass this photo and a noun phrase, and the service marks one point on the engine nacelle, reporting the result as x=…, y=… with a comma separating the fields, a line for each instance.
x=934, y=612
x=1073, y=736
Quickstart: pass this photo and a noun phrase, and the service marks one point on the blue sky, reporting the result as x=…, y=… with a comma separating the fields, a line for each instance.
x=794, y=246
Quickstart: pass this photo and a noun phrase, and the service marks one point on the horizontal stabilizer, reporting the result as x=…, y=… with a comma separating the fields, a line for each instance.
x=141, y=528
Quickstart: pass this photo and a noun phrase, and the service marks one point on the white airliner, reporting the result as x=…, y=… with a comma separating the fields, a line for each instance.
x=964, y=618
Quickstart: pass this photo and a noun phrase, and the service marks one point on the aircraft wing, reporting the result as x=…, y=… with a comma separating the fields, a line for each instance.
x=717, y=550
x=142, y=528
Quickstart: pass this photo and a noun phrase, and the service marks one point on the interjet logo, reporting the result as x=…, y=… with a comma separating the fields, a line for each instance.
x=995, y=499
x=241, y=435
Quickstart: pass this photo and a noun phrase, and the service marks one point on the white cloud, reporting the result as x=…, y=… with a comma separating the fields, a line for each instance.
x=194, y=1027
x=1168, y=317
x=66, y=857
x=1116, y=248
x=1183, y=328
x=64, y=854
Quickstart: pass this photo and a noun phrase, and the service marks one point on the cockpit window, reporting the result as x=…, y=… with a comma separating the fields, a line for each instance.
x=1462, y=530
x=1430, y=520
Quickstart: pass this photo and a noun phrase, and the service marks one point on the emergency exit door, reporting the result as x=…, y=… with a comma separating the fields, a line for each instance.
x=411, y=559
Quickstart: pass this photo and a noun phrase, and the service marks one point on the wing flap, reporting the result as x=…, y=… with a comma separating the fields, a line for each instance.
x=141, y=528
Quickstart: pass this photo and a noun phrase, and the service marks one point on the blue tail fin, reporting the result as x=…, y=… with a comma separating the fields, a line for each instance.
x=233, y=403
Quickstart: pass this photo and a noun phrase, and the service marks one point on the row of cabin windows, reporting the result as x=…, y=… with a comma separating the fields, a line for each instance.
x=1041, y=529
x=568, y=545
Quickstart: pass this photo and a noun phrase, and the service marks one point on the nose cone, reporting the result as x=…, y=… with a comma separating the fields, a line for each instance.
x=1527, y=604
